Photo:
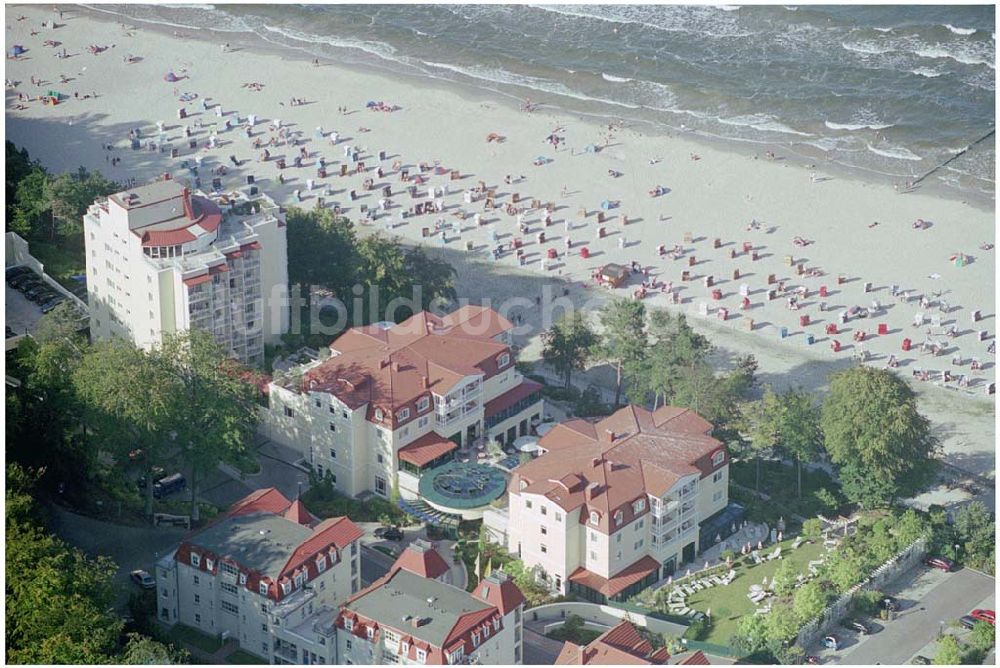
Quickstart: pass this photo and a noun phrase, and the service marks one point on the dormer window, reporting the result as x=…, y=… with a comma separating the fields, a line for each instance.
x=298, y=580
x=403, y=414
x=321, y=563
x=619, y=517
x=209, y=564
x=423, y=403
x=503, y=360
x=594, y=517
x=371, y=632
x=718, y=457
x=286, y=587
x=406, y=648
x=195, y=559
x=421, y=656
x=349, y=624
x=475, y=639
x=496, y=624
x=262, y=588
x=243, y=579
x=379, y=414
x=524, y=484
x=639, y=506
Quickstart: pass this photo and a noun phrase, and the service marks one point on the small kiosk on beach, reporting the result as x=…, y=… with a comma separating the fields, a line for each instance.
x=612, y=275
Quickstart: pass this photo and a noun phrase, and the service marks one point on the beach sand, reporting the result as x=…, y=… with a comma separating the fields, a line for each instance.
x=713, y=197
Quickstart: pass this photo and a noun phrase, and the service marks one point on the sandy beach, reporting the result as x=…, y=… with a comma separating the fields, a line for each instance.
x=853, y=238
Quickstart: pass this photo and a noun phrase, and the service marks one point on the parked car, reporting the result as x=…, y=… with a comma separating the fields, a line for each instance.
x=830, y=642
x=942, y=563
x=856, y=625
x=389, y=533
x=988, y=616
x=174, y=482
x=968, y=621
x=50, y=304
x=919, y=660
x=24, y=280
x=158, y=475
x=14, y=272
x=38, y=292
x=143, y=579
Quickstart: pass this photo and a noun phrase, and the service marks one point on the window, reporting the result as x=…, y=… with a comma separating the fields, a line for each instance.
x=263, y=646
x=558, y=517
x=527, y=504
x=318, y=403
x=475, y=639
x=545, y=531
x=503, y=360
x=197, y=599
x=639, y=506
x=349, y=625
x=421, y=655
x=343, y=413
x=371, y=632
x=718, y=475
x=321, y=563
x=618, y=554
x=380, y=487
x=243, y=579
x=197, y=581
x=543, y=548
x=593, y=555
x=423, y=403
x=333, y=427
x=403, y=414
x=618, y=538
x=379, y=459
x=422, y=422
x=639, y=525
x=593, y=536
x=717, y=496
x=594, y=517
x=228, y=588
x=379, y=414
x=545, y=511
x=718, y=457
x=298, y=580
x=289, y=412
x=263, y=627
x=638, y=544
x=209, y=564
x=333, y=453
x=197, y=618
x=262, y=588
x=229, y=607
x=286, y=588
x=619, y=517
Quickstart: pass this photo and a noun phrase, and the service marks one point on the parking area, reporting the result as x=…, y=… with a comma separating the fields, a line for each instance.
x=22, y=315
x=929, y=601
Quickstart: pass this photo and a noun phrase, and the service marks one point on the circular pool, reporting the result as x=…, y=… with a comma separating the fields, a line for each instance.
x=462, y=486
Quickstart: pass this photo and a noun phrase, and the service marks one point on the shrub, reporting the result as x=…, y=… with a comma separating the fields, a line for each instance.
x=812, y=527
x=700, y=628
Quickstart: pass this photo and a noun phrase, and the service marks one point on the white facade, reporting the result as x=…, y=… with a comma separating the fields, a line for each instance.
x=216, y=270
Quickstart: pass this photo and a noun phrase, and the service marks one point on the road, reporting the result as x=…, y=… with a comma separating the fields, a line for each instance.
x=374, y=565
x=927, y=599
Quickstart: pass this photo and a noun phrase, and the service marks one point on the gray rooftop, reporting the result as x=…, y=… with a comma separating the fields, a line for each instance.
x=407, y=594
x=259, y=541
x=154, y=191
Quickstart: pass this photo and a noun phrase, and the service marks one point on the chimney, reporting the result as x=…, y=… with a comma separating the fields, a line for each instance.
x=595, y=462
x=610, y=434
x=591, y=490
x=384, y=363
x=395, y=367
x=425, y=382
x=187, y=204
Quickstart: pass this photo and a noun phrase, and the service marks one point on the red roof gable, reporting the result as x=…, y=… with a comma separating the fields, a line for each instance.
x=619, y=582
x=505, y=595
x=421, y=558
x=426, y=449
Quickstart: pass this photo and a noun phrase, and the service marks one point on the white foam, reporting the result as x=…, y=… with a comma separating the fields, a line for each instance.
x=926, y=72
x=897, y=152
x=614, y=79
x=867, y=48
x=730, y=8
x=960, y=31
x=939, y=52
x=884, y=29
x=857, y=126
x=762, y=123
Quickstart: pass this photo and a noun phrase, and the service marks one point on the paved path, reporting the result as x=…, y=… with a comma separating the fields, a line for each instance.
x=539, y=650
x=130, y=547
x=927, y=599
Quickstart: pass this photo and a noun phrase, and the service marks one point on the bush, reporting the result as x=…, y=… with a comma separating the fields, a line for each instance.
x=700, y=628
x=812, y=528
x=866, y=602
x=324, y=501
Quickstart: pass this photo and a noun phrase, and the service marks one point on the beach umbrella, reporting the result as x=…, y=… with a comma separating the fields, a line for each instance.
x=779, y=536
x=718, y=537
x=708, y=612
x=370, y=104
x=170, y=76
x=760, y=545
x=688, y=573
x=706, y=565
x=606, y=205
x=670, y=579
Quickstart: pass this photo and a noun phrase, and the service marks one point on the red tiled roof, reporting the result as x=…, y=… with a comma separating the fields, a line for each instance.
x=426, y=449
x=618, y=582
x=620, y=459
x=695, y=658
x=427, y=563
x=297, y=513
x=197, y=280
x=511, y=397
x=505, y=596
x=198, y=211
x=620, y=645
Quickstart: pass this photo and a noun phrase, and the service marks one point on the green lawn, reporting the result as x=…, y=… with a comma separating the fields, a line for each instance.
x=729, y=603
x=242, y=657
x=185, y=635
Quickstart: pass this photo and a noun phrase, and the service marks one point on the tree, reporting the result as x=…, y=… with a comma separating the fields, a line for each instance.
x=751, y=635
x=143, y=651
x=675, y=346
x=69, y=194
x=787, y=422
x=983, y=636
x=321, y=250
x=568, y=345
x=783, y=580
x=30, y=205
x=809, y=601
x=213, y=410
x=434, y=276
x=62, y=322
x=623, y=341
x=948, y=652
x=390, y=272
x=871, y=424
x=861, y=487
x=976, y=529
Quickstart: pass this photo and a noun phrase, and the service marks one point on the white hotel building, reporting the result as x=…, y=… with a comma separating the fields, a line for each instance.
x=161, y=259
